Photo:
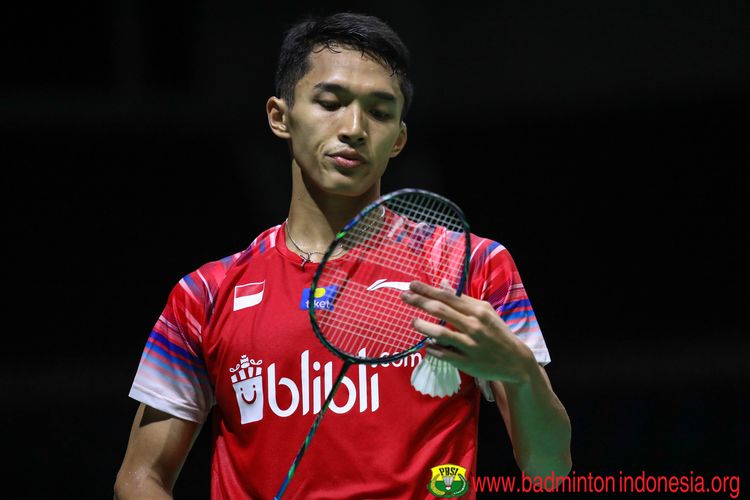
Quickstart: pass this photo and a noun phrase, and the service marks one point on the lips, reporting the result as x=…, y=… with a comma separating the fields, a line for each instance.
x=347, y=159
x=346, y=162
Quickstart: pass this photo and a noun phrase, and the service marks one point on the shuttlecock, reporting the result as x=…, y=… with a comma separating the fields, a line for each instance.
x=448, y=482
x=435, y=377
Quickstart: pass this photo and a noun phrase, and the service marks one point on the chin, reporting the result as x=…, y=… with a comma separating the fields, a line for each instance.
x=352, y=190
x=351, y=186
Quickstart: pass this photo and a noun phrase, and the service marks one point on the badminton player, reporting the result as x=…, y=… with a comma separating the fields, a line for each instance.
x=234, y=341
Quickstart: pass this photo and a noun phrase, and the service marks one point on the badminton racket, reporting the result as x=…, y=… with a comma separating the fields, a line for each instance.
x=407, y=235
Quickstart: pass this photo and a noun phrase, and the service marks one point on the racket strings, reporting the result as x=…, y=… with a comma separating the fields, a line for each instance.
x=418, y=238
x=360, y=316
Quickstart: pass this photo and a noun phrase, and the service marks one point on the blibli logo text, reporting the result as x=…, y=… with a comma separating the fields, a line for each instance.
x=322, y=299
x=306, y=392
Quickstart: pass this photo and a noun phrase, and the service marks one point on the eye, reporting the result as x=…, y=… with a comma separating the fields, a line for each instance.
x=380, y=115
x=329, y=105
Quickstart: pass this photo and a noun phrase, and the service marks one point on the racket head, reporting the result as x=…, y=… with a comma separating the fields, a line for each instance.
x=406, y=235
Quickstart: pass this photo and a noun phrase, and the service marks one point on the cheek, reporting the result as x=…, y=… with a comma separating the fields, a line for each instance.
x=386, y=146
x=302, y=137
x=308, y=132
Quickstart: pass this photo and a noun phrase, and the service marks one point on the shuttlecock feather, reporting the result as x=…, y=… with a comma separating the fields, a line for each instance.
x=435, y=377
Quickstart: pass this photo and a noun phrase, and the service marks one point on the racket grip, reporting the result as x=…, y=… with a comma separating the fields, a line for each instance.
x=311, y=432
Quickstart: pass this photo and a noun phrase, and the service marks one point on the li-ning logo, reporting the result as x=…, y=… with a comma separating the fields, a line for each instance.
x=383, y=283
x=448, y=481
x=322, y=299
x=307, y=393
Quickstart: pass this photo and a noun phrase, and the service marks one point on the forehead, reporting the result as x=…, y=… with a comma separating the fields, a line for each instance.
x=351, y=69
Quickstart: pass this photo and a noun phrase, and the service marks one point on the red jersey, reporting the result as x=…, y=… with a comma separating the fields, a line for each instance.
x=235, y=338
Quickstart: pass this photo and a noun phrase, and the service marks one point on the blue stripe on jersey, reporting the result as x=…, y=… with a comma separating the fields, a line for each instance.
x=513, y=305
x=516, y=315
x=262, y=245
x=487, y=251
x=171, y=368
x=193, y=364
x=194, y=287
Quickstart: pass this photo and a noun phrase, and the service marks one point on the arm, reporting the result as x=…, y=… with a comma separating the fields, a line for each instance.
x=157, y=448
x=537, y=424
x=482, y=345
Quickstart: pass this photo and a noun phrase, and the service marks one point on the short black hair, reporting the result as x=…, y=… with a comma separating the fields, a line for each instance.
x=362, y=32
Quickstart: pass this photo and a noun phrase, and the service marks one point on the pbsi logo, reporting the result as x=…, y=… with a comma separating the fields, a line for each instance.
x=307, y=395
x=448, y=481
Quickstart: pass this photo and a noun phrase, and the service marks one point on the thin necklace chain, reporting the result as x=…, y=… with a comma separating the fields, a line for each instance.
x=307, y=254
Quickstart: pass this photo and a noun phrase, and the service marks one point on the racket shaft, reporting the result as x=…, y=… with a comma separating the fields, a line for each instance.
x=313, y=428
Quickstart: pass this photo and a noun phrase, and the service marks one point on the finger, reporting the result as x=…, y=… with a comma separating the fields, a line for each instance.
x=452, y=356
x=435, y=308
x=463, y=304
x=475, y=314
x=443, y=335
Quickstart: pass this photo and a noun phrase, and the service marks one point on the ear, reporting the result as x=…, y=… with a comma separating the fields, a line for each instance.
x=277, y=111
x=400, y=141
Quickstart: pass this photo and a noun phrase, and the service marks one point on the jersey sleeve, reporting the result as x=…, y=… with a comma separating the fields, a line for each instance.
x=172, y=376
x=494, y=277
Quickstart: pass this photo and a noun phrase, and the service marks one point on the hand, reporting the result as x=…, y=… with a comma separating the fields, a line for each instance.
x=474, y=338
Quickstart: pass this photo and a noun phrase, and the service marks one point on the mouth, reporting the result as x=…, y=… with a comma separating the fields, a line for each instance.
x=347, y=159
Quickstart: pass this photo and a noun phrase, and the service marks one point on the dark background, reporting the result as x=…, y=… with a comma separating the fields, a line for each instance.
x=604, y=143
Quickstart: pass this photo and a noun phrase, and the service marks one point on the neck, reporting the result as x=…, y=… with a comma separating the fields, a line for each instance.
x=315, y=217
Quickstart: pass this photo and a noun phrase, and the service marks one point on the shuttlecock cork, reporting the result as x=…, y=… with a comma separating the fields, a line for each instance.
x=435, y=377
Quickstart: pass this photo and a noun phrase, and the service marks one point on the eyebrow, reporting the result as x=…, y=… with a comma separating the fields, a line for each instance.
x=336, y=88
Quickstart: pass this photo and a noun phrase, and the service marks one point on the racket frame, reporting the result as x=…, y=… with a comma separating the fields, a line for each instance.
x=383, y=200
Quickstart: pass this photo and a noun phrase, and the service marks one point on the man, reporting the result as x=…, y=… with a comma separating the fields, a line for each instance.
x=235, y=338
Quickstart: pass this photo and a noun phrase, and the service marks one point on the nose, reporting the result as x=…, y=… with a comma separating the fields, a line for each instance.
x=353, y=126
